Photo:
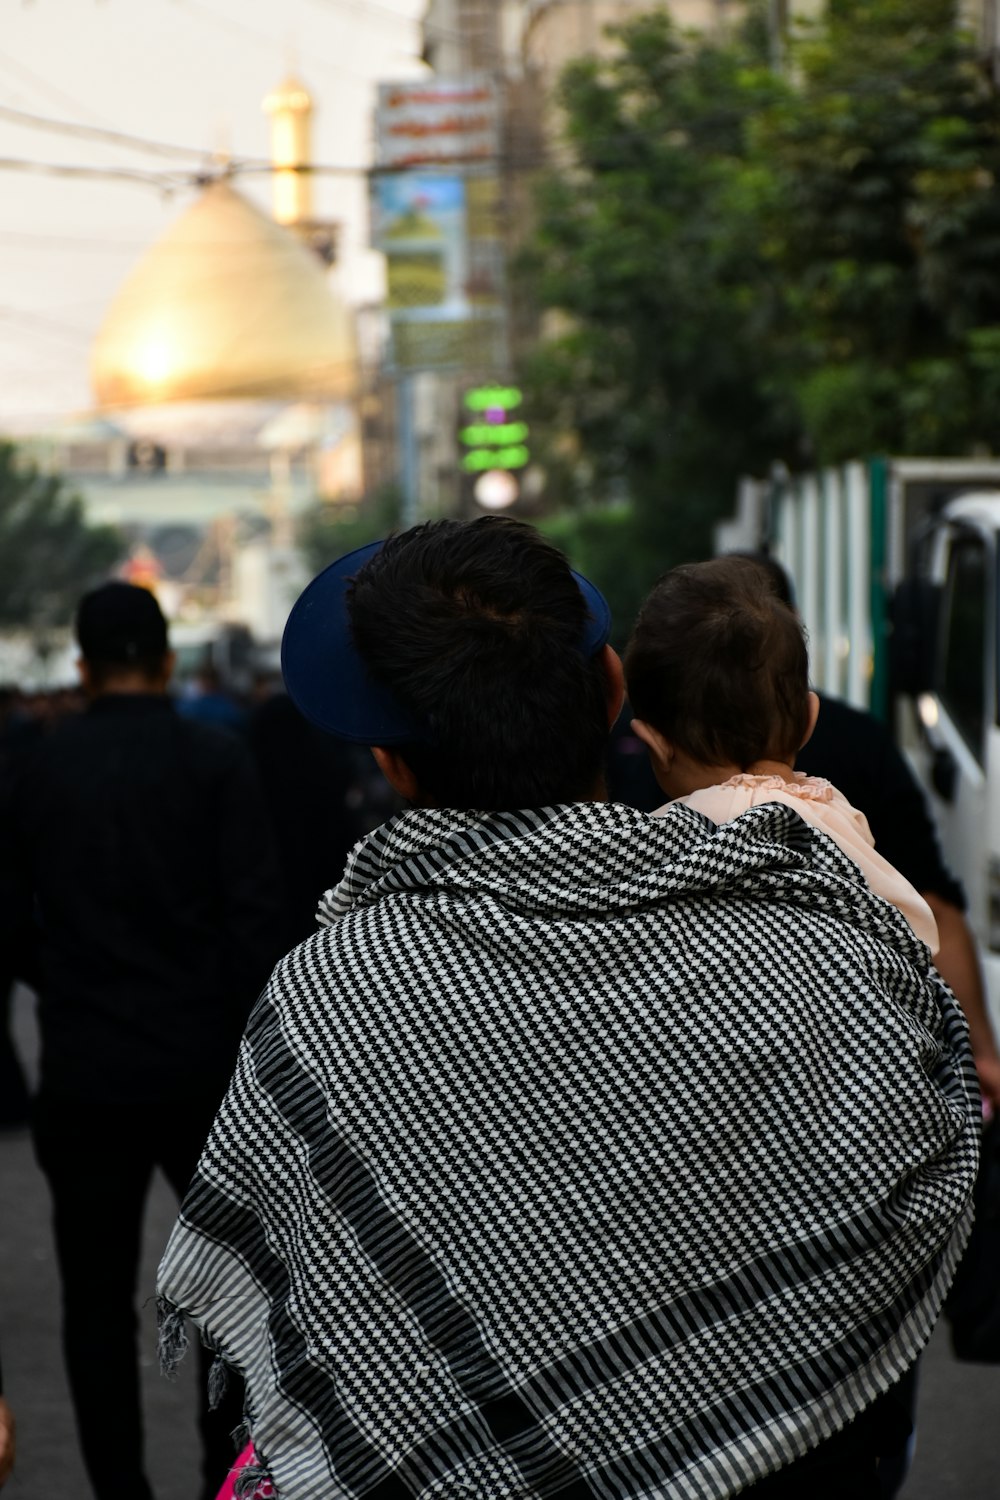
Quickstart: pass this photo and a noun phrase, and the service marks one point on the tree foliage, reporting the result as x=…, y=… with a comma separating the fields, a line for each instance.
x=328, y=531
x=646, y=248
x=743, y=267
x=49, y=554
x=884, y=226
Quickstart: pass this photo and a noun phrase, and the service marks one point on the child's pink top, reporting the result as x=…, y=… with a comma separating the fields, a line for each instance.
x=822, y=805
x=246, y=1458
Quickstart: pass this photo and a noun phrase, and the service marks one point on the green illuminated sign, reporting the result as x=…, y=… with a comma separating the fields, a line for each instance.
x=493, y=397
x=501, y=432
x=494, y=441
x=480, y=459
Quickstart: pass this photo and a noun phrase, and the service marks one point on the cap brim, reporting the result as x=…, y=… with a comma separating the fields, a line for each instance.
x=327, y=680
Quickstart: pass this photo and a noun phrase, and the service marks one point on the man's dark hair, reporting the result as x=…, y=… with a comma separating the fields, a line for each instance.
x=477, y=627
x=120, y=627
x=718, y=664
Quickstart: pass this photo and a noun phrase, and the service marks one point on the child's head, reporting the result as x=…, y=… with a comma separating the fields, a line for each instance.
x=718, y=667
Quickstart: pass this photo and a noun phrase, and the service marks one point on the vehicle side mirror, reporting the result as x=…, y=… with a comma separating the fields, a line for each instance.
x=916, y=605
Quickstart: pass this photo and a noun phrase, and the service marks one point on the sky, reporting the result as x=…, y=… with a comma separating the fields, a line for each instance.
x=189, y=73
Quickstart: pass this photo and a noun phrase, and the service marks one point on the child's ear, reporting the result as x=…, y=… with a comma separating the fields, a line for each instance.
x=661, y=750
x=814, y=707
x=614, y=683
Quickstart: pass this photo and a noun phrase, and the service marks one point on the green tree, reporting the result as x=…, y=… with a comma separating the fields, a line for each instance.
x=883, y=227
x=600, y=543
x=655, y=389
x=49, y=554
x=327, y=531
x=743, y=268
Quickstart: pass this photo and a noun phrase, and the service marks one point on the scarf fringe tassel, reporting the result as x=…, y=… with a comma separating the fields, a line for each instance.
x=218, y=1380
x=172, y=1341
x=252, y=1481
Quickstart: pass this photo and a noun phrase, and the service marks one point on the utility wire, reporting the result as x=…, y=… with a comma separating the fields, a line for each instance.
x=160, y=148
x=163, y=181
x=63, y=242
x=171, y=182
x=97, y=133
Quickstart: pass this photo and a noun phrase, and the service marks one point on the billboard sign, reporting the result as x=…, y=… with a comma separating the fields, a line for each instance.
x=419, y=225
x=494, y=434
x=444, y=290
x=436, y=122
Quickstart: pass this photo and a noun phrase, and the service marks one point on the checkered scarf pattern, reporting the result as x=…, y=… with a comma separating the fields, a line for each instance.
x=582, y=1154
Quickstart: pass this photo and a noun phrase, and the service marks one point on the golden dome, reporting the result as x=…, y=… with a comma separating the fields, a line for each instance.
x=226, y=305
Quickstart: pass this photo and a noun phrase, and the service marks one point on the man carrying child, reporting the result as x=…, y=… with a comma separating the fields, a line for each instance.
x=580, y=1153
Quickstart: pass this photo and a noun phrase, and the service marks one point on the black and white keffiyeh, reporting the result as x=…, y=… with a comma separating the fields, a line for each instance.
x=582, y=1153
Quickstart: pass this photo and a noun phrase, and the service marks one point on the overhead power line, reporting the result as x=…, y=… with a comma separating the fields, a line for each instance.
x=97, y=133
x=163, y=181
x=160, y=148
x=170, y=182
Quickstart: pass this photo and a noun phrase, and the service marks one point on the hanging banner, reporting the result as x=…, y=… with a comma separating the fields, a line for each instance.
x=435, y=198
x=420, y=226
x=437, y=122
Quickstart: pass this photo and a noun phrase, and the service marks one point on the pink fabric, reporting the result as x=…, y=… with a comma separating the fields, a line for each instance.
x=245, y=1459
x=822, y=805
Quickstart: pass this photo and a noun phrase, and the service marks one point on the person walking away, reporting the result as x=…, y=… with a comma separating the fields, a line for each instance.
x=856, y=751
x=580, y=1153
x=139, y=843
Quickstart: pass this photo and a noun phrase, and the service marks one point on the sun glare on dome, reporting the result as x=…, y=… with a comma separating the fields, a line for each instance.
x=154, y=362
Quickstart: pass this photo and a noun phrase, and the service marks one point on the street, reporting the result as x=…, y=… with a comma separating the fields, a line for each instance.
x=956, y=1451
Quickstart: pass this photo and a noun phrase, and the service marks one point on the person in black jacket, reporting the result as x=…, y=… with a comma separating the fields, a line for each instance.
x=140, y=843
x=856, y=751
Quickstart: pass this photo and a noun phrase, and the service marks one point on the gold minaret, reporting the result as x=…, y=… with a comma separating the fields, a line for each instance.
x=290, y=107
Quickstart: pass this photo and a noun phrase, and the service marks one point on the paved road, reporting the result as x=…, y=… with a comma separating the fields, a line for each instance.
x=959, y=1415
x=49, y=1463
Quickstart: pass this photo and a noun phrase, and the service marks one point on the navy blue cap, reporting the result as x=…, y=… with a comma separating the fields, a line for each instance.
x=329, y=683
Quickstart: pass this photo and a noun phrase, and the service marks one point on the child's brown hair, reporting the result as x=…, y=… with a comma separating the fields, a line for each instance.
x=718, y=664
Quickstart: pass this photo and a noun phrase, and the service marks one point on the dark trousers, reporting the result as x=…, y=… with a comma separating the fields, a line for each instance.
x=99, y=1159
x=852, y=1465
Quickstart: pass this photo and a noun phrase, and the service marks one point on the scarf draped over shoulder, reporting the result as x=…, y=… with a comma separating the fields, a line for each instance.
x=580, y=1153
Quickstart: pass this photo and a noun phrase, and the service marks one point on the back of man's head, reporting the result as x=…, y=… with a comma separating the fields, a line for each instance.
x=121, y=632
x=477, y=628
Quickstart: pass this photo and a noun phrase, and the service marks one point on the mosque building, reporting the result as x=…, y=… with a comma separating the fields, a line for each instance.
x=225, y=382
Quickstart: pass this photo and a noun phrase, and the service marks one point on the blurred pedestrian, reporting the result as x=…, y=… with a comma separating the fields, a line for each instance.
x=855, y=751
x=310, y=784
x=14, y=953
x=139, y=844
x=211, y=702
